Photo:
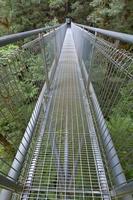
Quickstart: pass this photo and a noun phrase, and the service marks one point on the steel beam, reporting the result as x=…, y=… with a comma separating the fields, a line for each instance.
x=116, y=35
x=8, y=39
x=26, y=140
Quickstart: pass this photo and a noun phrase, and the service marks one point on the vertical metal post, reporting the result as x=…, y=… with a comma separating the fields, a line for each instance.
x=116, y=44
x=42, y=45
x=80, y=55
x=55, y=49
x=91, y=60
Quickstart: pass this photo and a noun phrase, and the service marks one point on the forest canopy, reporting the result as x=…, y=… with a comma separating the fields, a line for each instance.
x=23, y=15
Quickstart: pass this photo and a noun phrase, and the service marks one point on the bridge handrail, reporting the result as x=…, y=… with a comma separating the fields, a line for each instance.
x=107, y=72
x=128, y=38
x=9, y=179
x=8, y=39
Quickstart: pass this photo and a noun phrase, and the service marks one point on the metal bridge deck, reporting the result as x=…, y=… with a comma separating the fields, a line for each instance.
x=67, y=163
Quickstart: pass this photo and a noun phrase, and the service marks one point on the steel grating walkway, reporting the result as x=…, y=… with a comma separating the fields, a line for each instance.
x=67, y=163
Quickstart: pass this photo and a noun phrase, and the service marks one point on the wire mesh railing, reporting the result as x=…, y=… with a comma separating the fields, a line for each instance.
x=108, y=74
x=26, y=71
x=66, y=163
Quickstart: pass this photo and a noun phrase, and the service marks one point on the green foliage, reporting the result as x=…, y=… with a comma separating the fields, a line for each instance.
x=26, y=15
x=121, y=127
x=125, y=106
x=56, y=4
x=116, y=8
x=107, y=14
x=6, y=50
x=19, y=92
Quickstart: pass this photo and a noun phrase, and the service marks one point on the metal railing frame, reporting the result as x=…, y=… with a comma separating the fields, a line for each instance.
x=10, y=182
x=112, y=34
x=125, y=188
x=121, y=179
x=8, y=39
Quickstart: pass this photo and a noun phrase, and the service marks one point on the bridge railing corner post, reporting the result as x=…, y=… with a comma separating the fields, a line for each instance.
x=91, y=60
x=44, y=58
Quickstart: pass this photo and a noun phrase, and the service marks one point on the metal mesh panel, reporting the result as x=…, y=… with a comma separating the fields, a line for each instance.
x=19, y=91
x=68, y=163
x=112, y=81
x=64, y=160
x=110, y=70
x=22, y=77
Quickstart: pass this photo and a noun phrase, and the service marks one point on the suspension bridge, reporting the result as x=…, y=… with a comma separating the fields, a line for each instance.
x=65, y=149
